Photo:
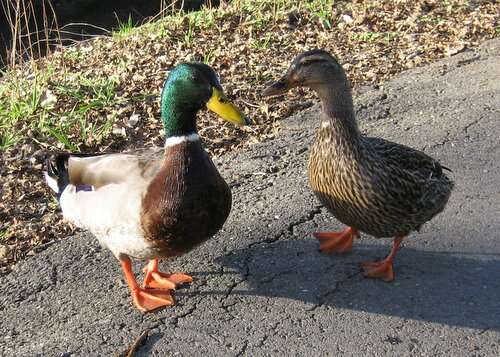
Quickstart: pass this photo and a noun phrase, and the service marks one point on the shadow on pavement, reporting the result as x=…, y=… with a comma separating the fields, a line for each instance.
x=452, y=288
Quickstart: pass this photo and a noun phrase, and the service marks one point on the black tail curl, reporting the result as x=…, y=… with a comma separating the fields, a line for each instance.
x=57, y=168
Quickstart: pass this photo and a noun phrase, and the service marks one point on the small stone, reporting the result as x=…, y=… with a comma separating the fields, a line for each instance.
x=134, y=119
x=48, y=99
x=4, y=251
x=119, y=131
x=347, y=19
x=452, y=51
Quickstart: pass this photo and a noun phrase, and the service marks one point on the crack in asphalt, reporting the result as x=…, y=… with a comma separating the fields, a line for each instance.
x=264, y=338
x=260, y=343
x=166, y=320
x=243, y=349
x=244, y=277
x=53, y=275
x=471, y=124
x=488, y=328
x=311, y=214
x=323, y=297
x=308, y=217
x=447, y=139
x=443, y=142
x=276, y=275
x=175, y=319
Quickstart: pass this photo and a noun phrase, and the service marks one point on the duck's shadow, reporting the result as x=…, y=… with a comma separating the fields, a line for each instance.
x=457, y=289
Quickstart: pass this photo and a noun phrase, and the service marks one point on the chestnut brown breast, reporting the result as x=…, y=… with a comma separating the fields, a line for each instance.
x=187, y=202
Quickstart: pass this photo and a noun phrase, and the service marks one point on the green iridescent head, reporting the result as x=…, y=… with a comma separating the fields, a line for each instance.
x=189, y=88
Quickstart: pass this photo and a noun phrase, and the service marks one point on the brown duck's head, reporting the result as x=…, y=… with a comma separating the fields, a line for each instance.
x=309, y=69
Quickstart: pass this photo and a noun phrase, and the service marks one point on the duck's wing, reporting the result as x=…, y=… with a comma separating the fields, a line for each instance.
x=412, y=184
x=406, y=158
x=94, y=171
x=100, y=191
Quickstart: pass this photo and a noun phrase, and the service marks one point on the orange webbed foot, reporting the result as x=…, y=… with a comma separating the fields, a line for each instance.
x=340, y=242
x=382, y=269
x=378, y=270
x=147, y=300
x=158, y=280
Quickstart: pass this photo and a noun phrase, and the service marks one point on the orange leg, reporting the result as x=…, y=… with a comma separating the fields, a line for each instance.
x=157, y=280
x=144, y=299
x=382, y=269
x=340, y=242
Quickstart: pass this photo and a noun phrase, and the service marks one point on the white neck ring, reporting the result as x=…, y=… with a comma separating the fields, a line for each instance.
x=176, y=140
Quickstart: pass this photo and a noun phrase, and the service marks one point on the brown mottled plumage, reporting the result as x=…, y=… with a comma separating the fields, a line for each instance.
x=370, y=184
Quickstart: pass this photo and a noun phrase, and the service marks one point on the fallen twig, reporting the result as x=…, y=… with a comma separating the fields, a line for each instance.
x=139, y=341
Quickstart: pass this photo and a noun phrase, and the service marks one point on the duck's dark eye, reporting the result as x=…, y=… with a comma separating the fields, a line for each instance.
x=196, y=78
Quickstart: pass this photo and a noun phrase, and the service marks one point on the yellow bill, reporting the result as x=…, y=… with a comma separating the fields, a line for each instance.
x=219, y=104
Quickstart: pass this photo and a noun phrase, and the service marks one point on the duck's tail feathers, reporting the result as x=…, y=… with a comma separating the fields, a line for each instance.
x=56, y=174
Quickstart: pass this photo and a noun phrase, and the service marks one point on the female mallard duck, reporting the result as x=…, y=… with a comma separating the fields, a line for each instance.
x=370, y=184
x=155, y=204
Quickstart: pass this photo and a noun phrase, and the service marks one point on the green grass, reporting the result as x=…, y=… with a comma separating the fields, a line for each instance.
x=160, y=29
x=21, y=95
x=88, y=118
x=4, y=235
x=210, y=56
x=19, y=100
x=322, y=9
x=428, y=19
x=376, y=36
x=262, y=43
x=93, y=92
x=73, y=53
x=22, y=108
x=90, y=94
x=188, y=36
x=205, y=18
x=124, y=28
x=7, y=139
x=263, y=13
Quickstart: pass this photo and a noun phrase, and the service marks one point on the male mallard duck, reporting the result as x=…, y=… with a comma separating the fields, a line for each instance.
x=155, y=204
x=370, y=184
